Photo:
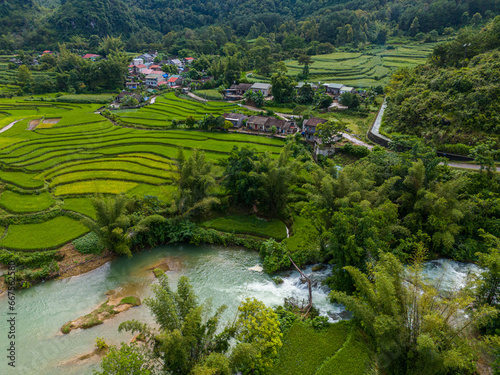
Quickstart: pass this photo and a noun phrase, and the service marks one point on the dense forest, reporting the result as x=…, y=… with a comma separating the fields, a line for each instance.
x=455, y=97
x=290, y=23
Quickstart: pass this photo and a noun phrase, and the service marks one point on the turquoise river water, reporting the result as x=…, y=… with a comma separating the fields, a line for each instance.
x=221, y=274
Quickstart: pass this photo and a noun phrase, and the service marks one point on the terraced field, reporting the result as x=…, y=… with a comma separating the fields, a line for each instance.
x=48, y=174
x=370, y=67
x=168, y=107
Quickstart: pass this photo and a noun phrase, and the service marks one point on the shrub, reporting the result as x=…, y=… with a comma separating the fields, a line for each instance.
x=89, y=244
x=354, y=150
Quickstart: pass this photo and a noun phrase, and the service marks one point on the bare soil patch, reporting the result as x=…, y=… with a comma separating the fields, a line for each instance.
x=75, y=263
x=34, y=123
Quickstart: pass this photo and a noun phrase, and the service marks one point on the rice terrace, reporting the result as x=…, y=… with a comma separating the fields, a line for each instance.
x=56, y=155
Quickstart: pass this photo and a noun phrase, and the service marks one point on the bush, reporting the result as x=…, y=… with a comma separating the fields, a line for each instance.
x=354, y=150
x=31, y=260
x=275, y=256
x=456, y=148
x=89, y=244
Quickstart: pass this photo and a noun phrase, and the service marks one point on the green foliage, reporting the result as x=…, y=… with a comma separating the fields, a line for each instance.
x=258, y=325
x=34, y=259
x=112, y=224
x=274, y=255
x=305, y=349
x=129, y=359
x=283, y=88
x=248, y=225
x=89, y=244
x=412, y=329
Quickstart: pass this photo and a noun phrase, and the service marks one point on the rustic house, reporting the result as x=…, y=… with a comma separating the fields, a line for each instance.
x=153, y=80
x=257, y=123
x=235, y=118
x=264, y=88
x=333, y=88
x=309, y=127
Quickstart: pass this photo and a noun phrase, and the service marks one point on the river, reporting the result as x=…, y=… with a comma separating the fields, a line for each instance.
x=221, y=274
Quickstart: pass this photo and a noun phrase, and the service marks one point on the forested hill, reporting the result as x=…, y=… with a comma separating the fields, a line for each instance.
x=455, y=97
x=334, y=21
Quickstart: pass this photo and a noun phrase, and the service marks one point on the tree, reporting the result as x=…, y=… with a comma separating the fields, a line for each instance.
x=283, y=88
x=23, y=75
x=305, y=94
x=169, y=68
x=129, y=101
x=128, y=360
x=414, y=27
x=110, y=44
x=257, y=98
x=237, y=180
x=258, y=326
x=485, y=154
x=112, y=224
x=306, y=61
x=273, y=178
x=194, y=180
x=329, y=132
x=190, y=122
x=349, y=100
x=414, y=329
x=476, y=19
x=187, y=334
x=322, y=100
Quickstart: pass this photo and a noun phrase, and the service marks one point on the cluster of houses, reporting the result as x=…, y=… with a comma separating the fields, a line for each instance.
x=265, y=124
x=154, y=77
x=261, y=123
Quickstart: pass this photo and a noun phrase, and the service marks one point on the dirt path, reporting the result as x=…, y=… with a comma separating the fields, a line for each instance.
x=356, y=141
x=7, y=127
x=196, y=97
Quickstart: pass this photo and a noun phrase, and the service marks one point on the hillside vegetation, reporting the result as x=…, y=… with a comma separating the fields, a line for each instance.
x=455, y=97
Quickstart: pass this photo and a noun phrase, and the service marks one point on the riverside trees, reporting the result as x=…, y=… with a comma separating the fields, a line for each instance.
x=190, y=339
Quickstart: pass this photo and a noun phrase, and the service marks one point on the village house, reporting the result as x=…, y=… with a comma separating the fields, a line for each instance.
x=346, y=89
x=235, y=118
x=333, y=88
x=131, y=85
x=264, y=88
x=257, y=123
x=91, y=56
x=123, y=94
x=174, y=80
x=138, y=61
x=147, y=58
x=300, y=84
x=178, y=63
x=153, y=80
x=309, y=127
x=272, y=121
x=188, y=60
x=325, y=149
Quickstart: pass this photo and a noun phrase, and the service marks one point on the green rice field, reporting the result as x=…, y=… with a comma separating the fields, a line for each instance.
x=371, y=66
x=168, y=107
x=55, y=156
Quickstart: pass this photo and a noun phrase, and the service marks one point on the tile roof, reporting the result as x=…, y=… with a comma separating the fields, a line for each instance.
x=314, y=121
x=261, y=86
x=259, y=120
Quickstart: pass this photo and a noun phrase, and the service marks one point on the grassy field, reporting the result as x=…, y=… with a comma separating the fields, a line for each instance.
x=210, y=94
x=309, y=351
x=248, y=225
x=60, y=167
